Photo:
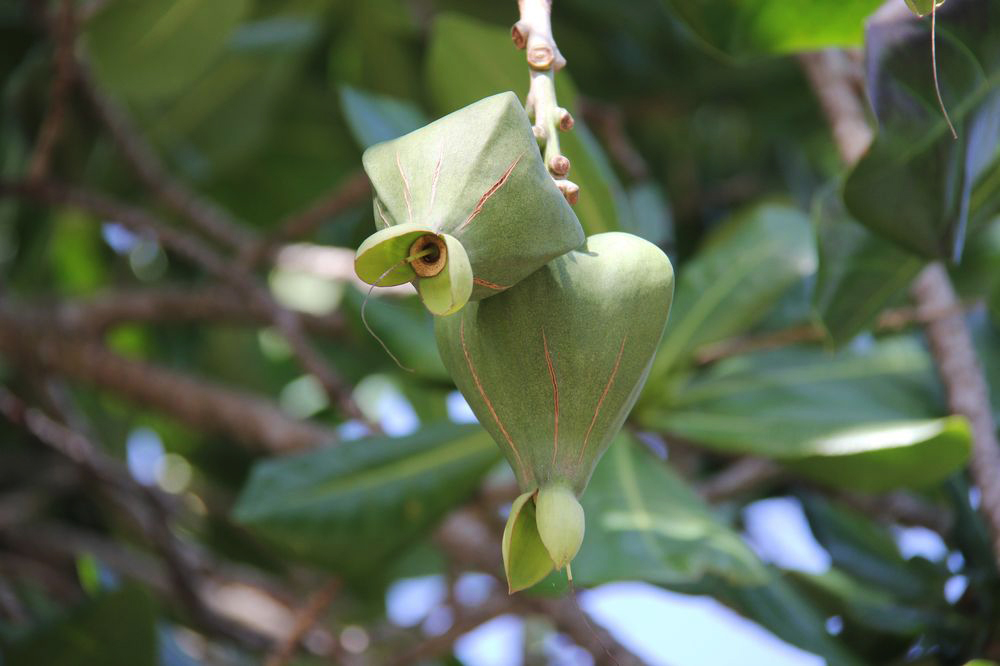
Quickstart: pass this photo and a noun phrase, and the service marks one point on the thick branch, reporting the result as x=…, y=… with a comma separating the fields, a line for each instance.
x=533, y=32
x=199, y=404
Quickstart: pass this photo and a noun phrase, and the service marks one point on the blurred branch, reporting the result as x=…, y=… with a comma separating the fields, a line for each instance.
x=890, y=320
x=62, y=28
x=61, y=544
x=949, y=336
x=303, y=223
x=743, y=476
x=967, y=390
x=466, y=536
x=172, y=305
x=831, y=74
x=318, y=604
x=608, y=122
x=200, y=404
x=288, y=323
x=466, y=619
x=533, y=32
x=205, y=215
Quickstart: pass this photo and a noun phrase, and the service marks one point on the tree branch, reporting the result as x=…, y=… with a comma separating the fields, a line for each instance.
x=534, y=32
x=949, y=337
x=171, y=305
x=287, y=322
x=303, y=223
x=62, y=28
x=199, y=404
x=205, y=215
x=466, y=537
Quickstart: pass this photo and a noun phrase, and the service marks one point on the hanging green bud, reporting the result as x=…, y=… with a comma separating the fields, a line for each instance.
x=473, y=181
x=552, y=367
x=560, y=522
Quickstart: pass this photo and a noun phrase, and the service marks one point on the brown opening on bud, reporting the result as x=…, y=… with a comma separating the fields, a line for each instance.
x=436, y=258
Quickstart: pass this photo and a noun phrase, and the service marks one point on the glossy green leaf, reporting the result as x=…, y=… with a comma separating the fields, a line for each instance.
x=645, y=523
x=354, y=506
x=114, y=629
x=729, y=285
x=860, y=274
x=153, y=49
x=376, y=118
x=525, y=559
x=917, y=186
x=747, y=28
x=863, y=418
x=469, y=60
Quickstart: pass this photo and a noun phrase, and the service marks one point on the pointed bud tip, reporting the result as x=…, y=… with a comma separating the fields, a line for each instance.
x=561, y=523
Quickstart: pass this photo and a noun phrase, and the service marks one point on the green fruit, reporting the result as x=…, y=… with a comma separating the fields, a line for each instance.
x=553, y=366
x=475, y=182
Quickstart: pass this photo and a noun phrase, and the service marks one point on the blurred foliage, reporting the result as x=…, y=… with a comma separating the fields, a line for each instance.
x=777, y=348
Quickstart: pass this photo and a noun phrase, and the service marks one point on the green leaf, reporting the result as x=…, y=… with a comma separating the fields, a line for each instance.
x=113, y=629
x=867, y=551
x=645, y=523
x=742, y=270
x=354, y=506
x=376, y=118
x=223, y=116
x=525, y=559
x=860, y=274
x=917, y=186
x=860, y=418
x=748, y=28
x=873, y=608
x=469, y=60
x=404, y=326
x=884, y=456
x=652, y=218
x=781, y=608
x=153, y=49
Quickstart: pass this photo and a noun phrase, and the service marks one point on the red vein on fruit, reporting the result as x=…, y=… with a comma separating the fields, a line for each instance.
x=486, y=399
x=555, y=397
x=489, y=285
x=434, y=183
x=600, y=402
x=378, y=207
x=493, y=189
x=406, y=190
